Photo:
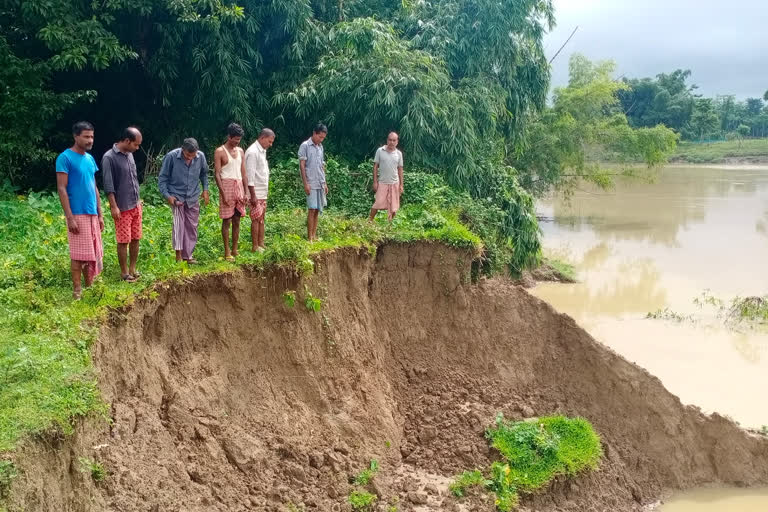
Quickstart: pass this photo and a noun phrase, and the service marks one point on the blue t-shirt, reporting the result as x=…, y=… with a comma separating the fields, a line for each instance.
x=81, y=187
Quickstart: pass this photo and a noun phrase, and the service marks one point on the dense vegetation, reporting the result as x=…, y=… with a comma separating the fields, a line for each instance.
x=670, y=100
x=533, y=454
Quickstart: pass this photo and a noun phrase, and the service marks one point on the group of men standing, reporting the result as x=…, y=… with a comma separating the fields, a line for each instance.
x=241, y=176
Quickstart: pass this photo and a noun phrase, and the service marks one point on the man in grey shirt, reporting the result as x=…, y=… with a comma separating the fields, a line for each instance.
x=183, y=172
x=121, y=185
x=387, y=178
x=312, y=165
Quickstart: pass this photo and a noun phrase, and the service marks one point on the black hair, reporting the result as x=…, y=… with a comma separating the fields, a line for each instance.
x=320, y=128
x=235, y=130
x=80, y=127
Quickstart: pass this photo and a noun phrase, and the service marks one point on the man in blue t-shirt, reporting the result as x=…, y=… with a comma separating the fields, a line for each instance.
x=76, y=183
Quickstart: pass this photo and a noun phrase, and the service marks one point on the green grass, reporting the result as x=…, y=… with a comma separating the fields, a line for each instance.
x=566, y=271
x=7, y=474
x=533, y=454
x=361, y=500
x=467, y=480
x=46, y=374
x=93, y=468
x=717, y=152
x=366, y=476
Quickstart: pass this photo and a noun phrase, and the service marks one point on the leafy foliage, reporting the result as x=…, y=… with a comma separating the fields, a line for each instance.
x=366, y=476
x=467, y=480
x=585, y=126
x=7, y=474
x=533, y=454
x=361, y=500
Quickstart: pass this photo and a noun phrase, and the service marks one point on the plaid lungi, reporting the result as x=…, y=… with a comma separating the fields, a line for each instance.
x=85, y=246
x=234, y=190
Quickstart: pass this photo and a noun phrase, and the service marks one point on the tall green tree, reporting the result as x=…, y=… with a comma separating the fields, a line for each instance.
x=585, y=126
x=705, y=121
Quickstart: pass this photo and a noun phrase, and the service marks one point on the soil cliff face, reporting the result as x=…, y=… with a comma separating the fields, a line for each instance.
x=225, y=398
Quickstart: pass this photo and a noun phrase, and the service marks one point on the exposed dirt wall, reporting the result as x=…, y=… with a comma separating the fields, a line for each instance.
x=224, y=398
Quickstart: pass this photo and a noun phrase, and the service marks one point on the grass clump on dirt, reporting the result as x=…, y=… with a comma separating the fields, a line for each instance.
x=46, y=374
x=533, y=454
x=720, y=151
x=565, y=271
x=466, y=481
x=366, y=476
x=361, y=500
x=7, y=474
x=93, y=468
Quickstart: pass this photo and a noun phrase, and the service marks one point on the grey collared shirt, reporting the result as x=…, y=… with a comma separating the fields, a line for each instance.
x=120, y=178
x=315, y=166
x=183, y=181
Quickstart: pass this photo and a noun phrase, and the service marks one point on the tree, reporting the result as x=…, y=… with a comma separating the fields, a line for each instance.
x=585, y=125
x=667, y=100
x=754, y=106
x=704, y=121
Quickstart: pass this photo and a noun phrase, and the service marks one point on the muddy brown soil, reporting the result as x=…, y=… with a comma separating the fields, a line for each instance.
x=223, y=398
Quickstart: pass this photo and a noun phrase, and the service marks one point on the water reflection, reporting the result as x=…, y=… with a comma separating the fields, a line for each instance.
x=719, y=500
x=645, y=247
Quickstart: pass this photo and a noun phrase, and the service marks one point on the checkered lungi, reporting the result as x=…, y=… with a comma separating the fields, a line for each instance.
x=85, y=246
x=234, y=190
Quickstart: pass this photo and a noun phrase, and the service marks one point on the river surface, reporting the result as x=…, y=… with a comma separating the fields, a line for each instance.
x=696, y=232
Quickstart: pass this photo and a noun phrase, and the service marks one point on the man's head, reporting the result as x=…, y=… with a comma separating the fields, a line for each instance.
x=266, y=138
x=235, y=134
x=82, y=132
x=190, y=148
x=392, y=139
x=130, y=140
x=319, y=133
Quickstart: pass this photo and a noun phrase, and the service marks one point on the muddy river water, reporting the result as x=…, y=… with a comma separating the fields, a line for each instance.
x=695, y=233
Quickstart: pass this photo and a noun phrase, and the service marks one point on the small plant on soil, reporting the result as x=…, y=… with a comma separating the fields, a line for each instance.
x=311, y=302
x=467, y=480
x=533, y=454
x=289, y=298
x=7, y=474
x=361, y=500
x=93, y=468
x=366, y=475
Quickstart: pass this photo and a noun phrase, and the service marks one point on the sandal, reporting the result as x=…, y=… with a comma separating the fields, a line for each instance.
x=136, y=275
x=128, y=278
x=77, y=294
x=191, y=261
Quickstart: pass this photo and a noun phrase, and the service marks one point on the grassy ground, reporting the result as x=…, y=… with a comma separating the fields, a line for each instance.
x=718, y=152
x=533, y=454
x=46, y=375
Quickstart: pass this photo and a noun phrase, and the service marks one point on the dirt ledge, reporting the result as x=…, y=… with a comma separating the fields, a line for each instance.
x=225, y=399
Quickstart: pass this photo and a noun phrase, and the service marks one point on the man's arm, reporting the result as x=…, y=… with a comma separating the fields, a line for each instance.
x=400, y=172
x=109, y=187
x=243, y=174
x=204, y=177
x=98, y=204
x=62, y=179
x=303, y=167
x=165, y=175
x=375, y=176
x=217, y=163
